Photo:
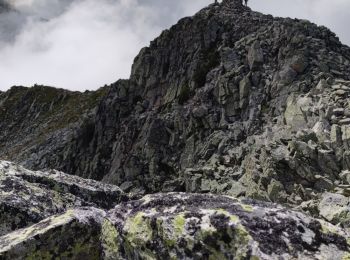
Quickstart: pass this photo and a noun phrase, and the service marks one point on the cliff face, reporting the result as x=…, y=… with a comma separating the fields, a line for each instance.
x=228, y=101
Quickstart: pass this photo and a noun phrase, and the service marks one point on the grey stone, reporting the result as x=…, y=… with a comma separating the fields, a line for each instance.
x=298, y=63
x=26, y=197
x=336, y=134
x=255, y=56
x=171, y=224
x=335, y=208
x=75, y=234
x=287, y=75
x=244, y=88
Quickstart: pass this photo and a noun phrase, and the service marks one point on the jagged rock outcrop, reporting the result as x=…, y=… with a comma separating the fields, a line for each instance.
x=228, y=101
x=26, y=197
x=72, y=235
x=179, y=226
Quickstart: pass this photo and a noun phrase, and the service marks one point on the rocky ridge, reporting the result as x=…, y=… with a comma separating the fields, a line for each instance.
x=42, y=116
x=228, y=102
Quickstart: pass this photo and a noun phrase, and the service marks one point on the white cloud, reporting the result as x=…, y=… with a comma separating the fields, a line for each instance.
x=84, y=44
x=333, y=14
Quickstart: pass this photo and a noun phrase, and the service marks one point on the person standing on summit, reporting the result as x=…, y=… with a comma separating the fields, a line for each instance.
x=235, y=1
x=245, y=2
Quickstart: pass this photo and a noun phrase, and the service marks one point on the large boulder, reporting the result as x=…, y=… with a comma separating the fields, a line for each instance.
x=335, y=208
x=72, y=235
x=193, y=226
x=26, y=197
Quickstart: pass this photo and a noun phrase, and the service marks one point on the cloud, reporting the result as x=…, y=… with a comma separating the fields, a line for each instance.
x=333, y=14
x=84, y=44
x=81, y=44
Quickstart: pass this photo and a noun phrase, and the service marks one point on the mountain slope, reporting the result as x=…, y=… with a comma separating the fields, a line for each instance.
x=228, y=101
x=31, y=116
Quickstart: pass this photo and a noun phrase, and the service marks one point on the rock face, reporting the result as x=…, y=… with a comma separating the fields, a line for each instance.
x=190, y=226
x=72, y=235
x=179, y=226
x=26, y=197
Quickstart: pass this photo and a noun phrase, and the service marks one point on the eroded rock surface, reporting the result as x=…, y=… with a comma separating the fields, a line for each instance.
x=179, y=226
x=26, y=197
x=194, y=226
x=72, y=235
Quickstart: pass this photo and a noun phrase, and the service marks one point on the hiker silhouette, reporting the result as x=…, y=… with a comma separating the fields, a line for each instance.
x=245, y=2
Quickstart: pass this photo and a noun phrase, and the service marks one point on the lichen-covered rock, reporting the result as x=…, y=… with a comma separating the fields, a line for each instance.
x=193, y=226
x=102, y=194
x=26, y=197
x=335, y=208
x=72, y=235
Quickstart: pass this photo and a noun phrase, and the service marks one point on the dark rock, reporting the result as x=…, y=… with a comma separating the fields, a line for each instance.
x=255, y=56
x=26, y=197
x=195, y=226
x=74, y=235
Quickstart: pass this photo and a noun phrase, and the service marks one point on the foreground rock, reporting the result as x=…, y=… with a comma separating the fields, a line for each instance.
x=190, y=226
x=72, y=235
x=26, y=197
x=179, y=226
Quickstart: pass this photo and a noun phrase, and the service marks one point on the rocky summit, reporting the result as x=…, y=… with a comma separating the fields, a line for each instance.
x=230, y=140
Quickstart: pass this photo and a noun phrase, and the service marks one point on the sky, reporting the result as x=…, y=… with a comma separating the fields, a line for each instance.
x=85, y=44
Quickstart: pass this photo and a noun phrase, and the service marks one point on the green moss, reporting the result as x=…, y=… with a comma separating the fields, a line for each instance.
x=239, y=234
x=39, y=254
x=138, y=229
x=346, y=256
x=179, y=224
x=254, y=257
x=247, y=208
x=327, y=228
x=233, y=218
x=109, y=238
x=215, y=255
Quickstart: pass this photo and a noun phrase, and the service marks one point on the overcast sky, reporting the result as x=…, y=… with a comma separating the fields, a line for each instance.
x=84, y=44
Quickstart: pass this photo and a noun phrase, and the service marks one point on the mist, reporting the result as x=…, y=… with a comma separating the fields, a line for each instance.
x=85, y=44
